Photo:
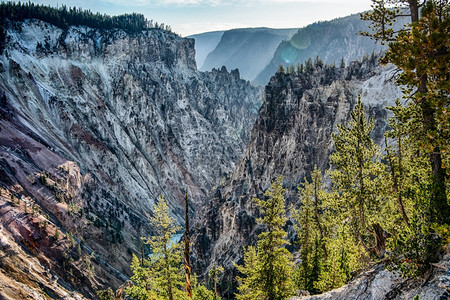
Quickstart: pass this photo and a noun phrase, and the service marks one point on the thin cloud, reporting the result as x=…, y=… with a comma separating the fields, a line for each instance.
x=143, y=3
x=309, y=1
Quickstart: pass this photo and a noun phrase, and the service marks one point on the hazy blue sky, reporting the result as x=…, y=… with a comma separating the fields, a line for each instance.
x=194, y=16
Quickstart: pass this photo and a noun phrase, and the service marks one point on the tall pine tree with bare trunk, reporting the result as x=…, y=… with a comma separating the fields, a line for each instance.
x=187, y=258
x=421, y=52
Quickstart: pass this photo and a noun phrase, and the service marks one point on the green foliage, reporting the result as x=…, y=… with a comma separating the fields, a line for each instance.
x=280, y=69
x=311, y=232
x=200, y=292
x=309, y=67
x=268, y=267
x=421, y=53
x=356, y=177
x=213, y=274
x=342, y=64
x=344, y=257
x=167, y=255
x=318, y=63
x=144, y=285
x=250, y=286
x=64, y=16
x=382, y=17
x=161, y=276
x=107, y=294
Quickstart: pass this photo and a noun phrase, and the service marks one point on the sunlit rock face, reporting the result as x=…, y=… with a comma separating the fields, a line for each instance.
x=378, y=283
x=293, y=132
x=332, y=41
x=131, y=113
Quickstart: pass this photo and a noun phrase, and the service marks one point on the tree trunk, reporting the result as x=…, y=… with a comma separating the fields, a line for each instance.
x=316, y=217
x=380, y=239
x=187, y=260
x=216, y=293
x=414, y=10
x=395, y=180
x=439, y=210
x=169, y=279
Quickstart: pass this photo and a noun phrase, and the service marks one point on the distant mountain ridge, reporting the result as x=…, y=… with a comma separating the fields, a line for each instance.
x=248, y=49
x=205, y=43
x=330, y=40
x=258, y=52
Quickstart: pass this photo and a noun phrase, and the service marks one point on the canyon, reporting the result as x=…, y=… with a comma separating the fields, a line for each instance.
x=96, y=124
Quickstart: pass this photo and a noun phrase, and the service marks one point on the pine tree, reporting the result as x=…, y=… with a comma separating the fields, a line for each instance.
x=160, y=276
x=343, y=257
x=213, y=274
x=421, y=53
x=310, y=230
x=167, y=255
x=309, y=67
x=200, y=292
x=408, y=187
x=144, y=284
x=267, y=268
x=187, y=259
x=356, y=179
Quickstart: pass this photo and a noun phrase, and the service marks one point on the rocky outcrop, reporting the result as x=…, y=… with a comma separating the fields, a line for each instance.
x=204, y=44
x=95, y=124
x=377, y=283
x=131, y=106
x=291, y=135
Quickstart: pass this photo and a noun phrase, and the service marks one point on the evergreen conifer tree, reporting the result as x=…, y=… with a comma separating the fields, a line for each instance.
x=421, y=52
x=161, y=276
x=356, y=179
x=311, y=231
x=267, y=268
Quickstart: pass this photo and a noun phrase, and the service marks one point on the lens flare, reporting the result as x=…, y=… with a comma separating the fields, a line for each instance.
x=288, y=54
x=301, y=41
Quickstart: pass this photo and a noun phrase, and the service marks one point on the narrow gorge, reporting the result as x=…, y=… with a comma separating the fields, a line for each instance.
x=106, y=119
x=96, y=124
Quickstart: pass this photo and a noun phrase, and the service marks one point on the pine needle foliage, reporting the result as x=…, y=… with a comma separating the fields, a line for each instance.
x=356, y=179
x=311, y=229
x=161, y=276
x=267, y=269
x=421, y=52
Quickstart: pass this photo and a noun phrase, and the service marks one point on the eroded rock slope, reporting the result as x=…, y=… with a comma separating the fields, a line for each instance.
x=95, y=124
x=291, y=135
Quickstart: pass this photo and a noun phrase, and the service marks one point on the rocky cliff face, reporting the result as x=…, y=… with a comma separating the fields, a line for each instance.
x=377, y=283
x=204, y=44
x=96, y=124
x=291, y=135
x=247, y=49
x=330, y=40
